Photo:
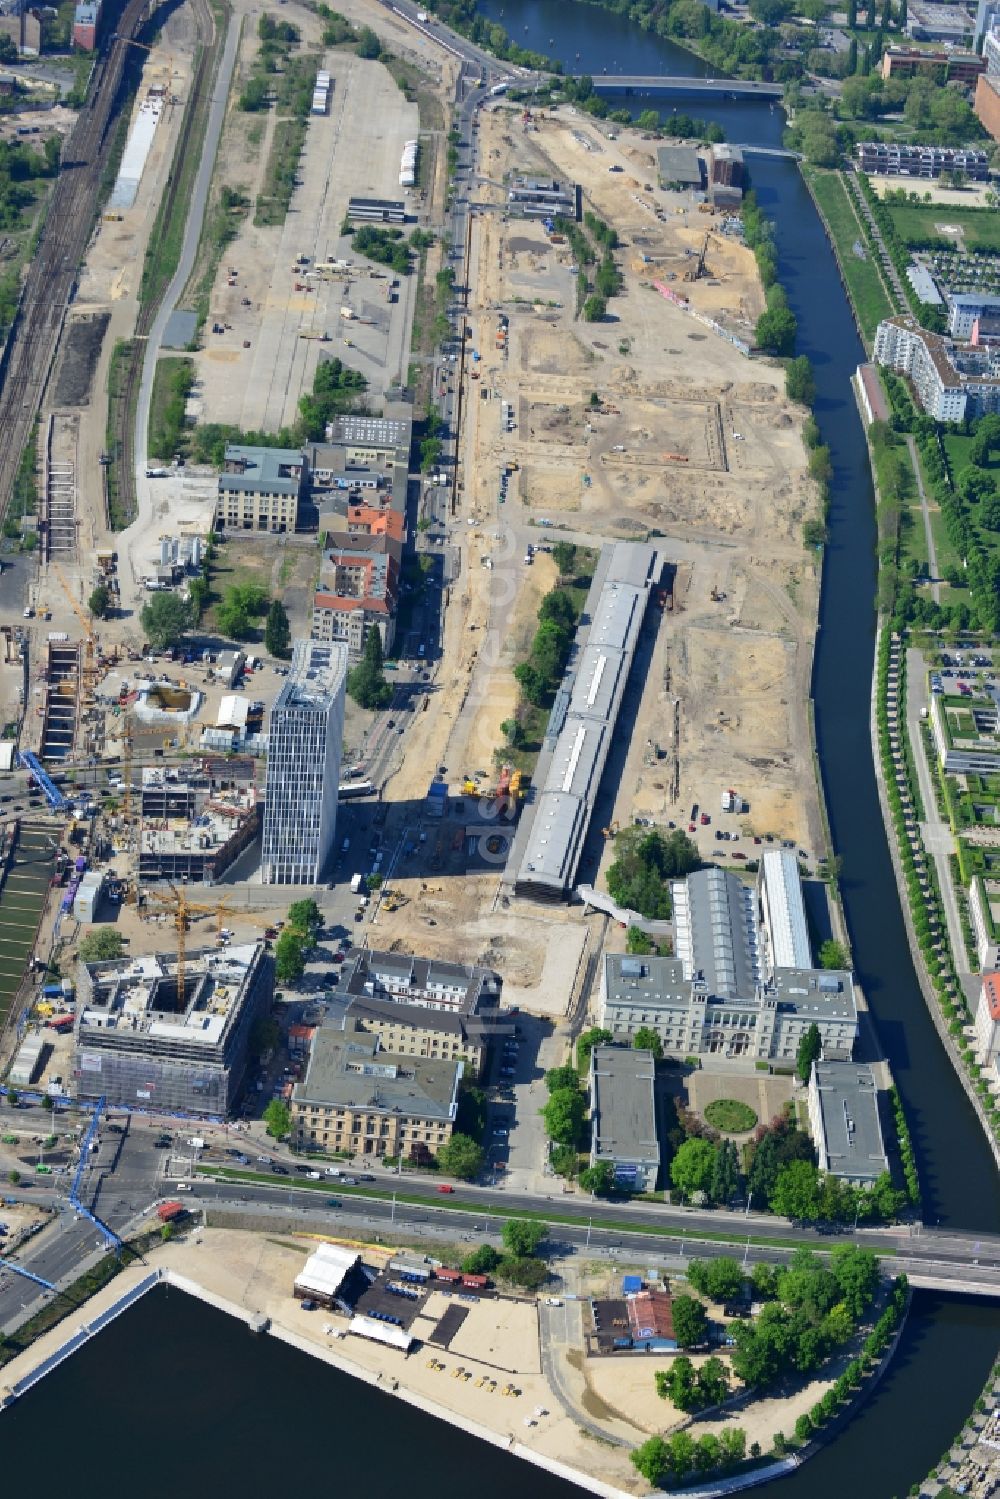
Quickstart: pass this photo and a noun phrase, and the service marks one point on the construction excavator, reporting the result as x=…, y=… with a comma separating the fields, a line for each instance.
x=695, y=272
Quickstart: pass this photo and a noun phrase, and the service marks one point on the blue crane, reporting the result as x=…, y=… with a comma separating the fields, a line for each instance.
x=53, y=795
x=74, y=1192
x=28, y=1274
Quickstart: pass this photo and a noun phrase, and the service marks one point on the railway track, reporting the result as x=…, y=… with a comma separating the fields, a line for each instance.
x=48, y=287
x=201, y=84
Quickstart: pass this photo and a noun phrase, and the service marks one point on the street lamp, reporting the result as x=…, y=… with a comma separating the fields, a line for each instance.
x=749, y=1201
x=590, y=1224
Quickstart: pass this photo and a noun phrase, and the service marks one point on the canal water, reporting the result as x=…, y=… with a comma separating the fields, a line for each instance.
x=177, y=1392
x=177, y=1395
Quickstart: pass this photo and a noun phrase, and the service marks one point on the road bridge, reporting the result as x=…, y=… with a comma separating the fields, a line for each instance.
x=724, y=88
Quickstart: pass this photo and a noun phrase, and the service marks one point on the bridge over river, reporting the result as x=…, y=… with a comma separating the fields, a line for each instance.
x=725, y=88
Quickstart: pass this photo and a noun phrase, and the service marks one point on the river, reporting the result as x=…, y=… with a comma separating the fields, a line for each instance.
x=177, y=1391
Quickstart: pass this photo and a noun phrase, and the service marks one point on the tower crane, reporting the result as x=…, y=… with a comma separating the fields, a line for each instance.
x=183, y=909
x=88, y=675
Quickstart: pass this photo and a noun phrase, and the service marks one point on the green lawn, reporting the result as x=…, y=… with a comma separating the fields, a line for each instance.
x=917, y=224
x=868, y=294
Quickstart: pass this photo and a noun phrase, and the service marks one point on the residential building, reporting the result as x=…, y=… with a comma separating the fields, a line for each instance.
x=428, y=983
x=358, y=591
x=844, y=1122
x=303, y=765
x=991, y=47
x=680, y=169
x=984, y=908
x=356, y=1097
x=965, y=312
x=950, y=383
x=987, y=101
x=418, y=1031
x=85, y=19
x=723, y=994
x=623, y=1115
x=376, y=210
x=538, y=198
x=870, y=394
x=582, y=722
x=941, y=67
x=368, y=526
x=260, y=489
x=896, y=159
x=987, y=17
x=988, y=1019
x=149, y=1034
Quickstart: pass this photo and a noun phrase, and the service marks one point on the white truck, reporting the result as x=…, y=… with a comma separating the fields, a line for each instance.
x=357, y=883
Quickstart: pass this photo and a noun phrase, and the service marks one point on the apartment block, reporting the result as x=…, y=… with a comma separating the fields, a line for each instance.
x=303, y=765
x=260, y=489
x=358, y=591
x=950, y=382
x=429, y=983
x=894, y=159
x=988, y=1019
x=417, y=1031
x=943, y=67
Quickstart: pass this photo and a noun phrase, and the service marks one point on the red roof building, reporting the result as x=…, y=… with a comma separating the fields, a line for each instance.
x=651, y=1320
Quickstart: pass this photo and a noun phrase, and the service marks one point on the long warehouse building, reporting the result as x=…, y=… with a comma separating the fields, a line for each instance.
x=596, y=678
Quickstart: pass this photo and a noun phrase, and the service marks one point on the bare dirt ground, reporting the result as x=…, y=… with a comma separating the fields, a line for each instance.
x=649, y=422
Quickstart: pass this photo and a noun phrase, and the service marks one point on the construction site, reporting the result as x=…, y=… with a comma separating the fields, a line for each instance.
x=649, y=423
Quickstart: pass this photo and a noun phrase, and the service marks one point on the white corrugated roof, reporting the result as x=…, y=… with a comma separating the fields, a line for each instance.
x=381, y=1332
x=786, y=913
x=326, y=1269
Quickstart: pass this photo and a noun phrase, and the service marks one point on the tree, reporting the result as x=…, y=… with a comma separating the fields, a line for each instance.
x=13, y=1177
x=513, y=733
x=562, y=1077
x=265, y=1033
x=653, y=1461
x=725, y=1173
x=833, y=954
x=691, y=1167
x=690, y=1322
x=732, y=1446
x=482, y=1261
x=531, y=682
x=564, y=1115
x=368, y=43
x=594, y=309
x=522, y=1236
x=461, y=1157
x=558, y=606
x=289, y=956
x=564, y=557
x=596, y=1036
x=799, y=382
x=366, y=682
x=857, y=1275
x=769, y=12
x=102, y=946
x=277, y=635
x=776, y=329
x=166, y=619
x=47, y=1101
x=646, y=1039
x=796, y=1192
x=12, y=1097
x=599, y=1179
x=723, y=1278
x=526, y=1271
x=305, y=917
x=278, y=1118
x=100, y=601
x=810, y=1049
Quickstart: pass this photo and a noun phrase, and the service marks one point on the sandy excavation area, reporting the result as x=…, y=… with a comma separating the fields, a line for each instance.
x=651, y=424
